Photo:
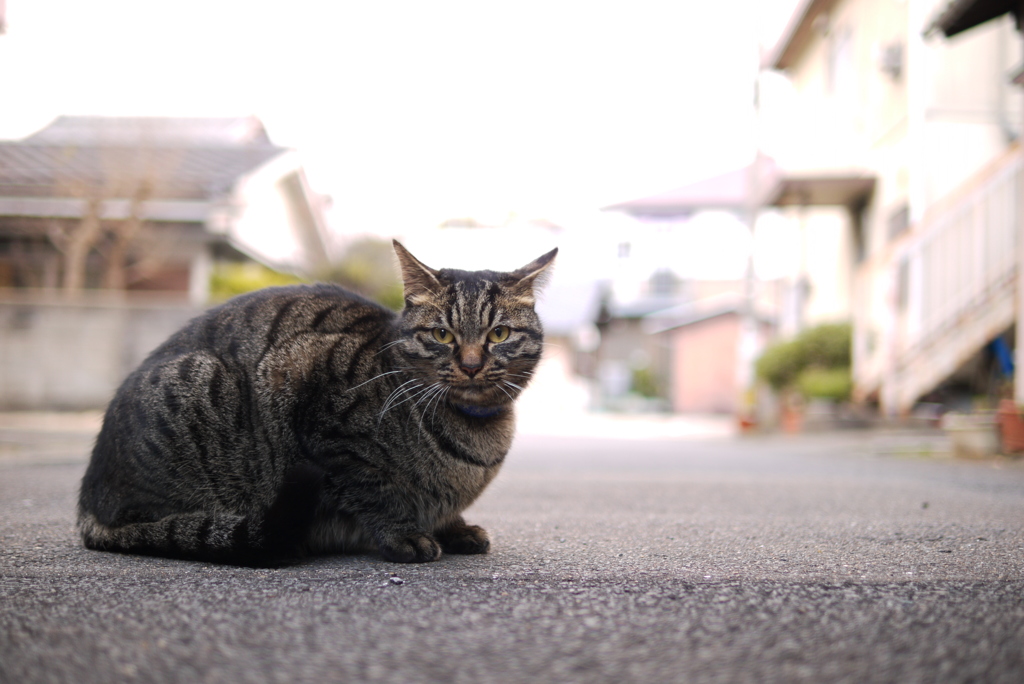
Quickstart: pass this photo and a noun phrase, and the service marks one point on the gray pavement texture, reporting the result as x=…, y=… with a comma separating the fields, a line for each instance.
x=841, y=558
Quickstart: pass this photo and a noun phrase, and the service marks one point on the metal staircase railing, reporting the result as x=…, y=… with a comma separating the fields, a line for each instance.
x=954, y=278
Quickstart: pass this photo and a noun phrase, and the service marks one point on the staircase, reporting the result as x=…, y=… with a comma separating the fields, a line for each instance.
x=953, y=283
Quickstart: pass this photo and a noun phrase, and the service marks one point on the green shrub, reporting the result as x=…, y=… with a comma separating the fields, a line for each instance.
x=825, y=383
x=827, y=346
x=234, y=278
x=780, y=364
x=644, y=383
x=368, y=268
x=816, y=362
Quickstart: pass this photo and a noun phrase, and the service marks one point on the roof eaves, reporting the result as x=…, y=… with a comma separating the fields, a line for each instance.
x=653, y=326
x=960, y=15
x=199, y=173
x=735, y=190
x=175, y=211
x=797, y=34
x=152, y=131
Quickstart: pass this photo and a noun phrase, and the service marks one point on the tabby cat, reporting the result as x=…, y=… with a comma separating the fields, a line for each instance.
x=307, y=419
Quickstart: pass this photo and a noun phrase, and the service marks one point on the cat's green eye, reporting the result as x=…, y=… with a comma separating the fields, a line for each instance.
x=443, y=336
x=499, y=333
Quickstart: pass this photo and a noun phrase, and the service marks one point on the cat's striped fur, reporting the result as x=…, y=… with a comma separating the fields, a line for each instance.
x=307, y=419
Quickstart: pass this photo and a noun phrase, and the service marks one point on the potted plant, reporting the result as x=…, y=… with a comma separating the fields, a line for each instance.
x=972, y=434
x=1011, y=426
x=812, y=368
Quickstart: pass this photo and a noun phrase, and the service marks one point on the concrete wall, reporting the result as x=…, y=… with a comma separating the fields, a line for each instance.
x=59, y=354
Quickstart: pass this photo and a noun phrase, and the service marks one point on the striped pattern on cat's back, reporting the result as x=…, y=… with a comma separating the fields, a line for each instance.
x=307, y=418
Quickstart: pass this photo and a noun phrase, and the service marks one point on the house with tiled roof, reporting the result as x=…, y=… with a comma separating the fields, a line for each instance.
x=151, y=203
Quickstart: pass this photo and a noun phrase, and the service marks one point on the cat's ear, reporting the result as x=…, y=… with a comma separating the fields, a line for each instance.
x=532, y=277
x=419, y=279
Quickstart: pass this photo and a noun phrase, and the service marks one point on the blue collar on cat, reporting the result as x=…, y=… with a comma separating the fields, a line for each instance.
x=480, y=411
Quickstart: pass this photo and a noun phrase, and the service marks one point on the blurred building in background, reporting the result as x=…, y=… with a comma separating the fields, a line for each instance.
x=897, y=127
x=678, y=340
x=150, y=203
x=110, y=229
x=677, y=355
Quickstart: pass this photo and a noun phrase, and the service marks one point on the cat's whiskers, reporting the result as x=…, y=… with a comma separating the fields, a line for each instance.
x=519, y=375
x=438, y=390
x=425, y=398
x=434, y=386
x=400, y=370
x=389, y=345
x=441, y=398
x=510, y=397
x=425, y=395
x=396, y=393
x=416, y=393
x=389, y=406
x=397, y=389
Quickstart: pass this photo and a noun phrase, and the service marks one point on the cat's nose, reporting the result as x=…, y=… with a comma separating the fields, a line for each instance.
x=471, y=361
x=471, y=368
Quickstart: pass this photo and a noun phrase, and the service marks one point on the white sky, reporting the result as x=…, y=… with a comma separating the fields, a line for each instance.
x=408, y=113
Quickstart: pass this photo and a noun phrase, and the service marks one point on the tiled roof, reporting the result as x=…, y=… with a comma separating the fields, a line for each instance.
x=173, y=173
x=187, y=159
x=157, y=131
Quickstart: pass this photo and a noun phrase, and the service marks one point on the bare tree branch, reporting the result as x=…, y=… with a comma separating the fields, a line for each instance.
x=125, y=233
x=80, y=242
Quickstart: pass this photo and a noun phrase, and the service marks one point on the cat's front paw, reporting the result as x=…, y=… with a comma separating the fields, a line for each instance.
x=416, y=548
x=463, y=538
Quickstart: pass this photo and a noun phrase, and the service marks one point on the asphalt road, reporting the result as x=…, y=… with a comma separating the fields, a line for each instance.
x=821, y=559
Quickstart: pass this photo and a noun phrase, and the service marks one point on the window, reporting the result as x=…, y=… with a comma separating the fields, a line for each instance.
x=840, y=72
x=903, y=285
x=899, y=221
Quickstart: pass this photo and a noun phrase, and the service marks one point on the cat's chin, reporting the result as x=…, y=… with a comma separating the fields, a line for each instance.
x=483, y=395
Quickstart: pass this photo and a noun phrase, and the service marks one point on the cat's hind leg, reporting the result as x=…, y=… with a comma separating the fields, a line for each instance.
x=213, y=537
x=263, y=539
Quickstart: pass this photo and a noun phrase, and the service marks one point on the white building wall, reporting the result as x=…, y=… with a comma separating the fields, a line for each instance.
x=921, y=133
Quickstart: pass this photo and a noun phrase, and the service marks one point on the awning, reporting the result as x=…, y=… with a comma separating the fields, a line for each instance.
x=961, y=15
x=731, y=191
x=853, y=191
